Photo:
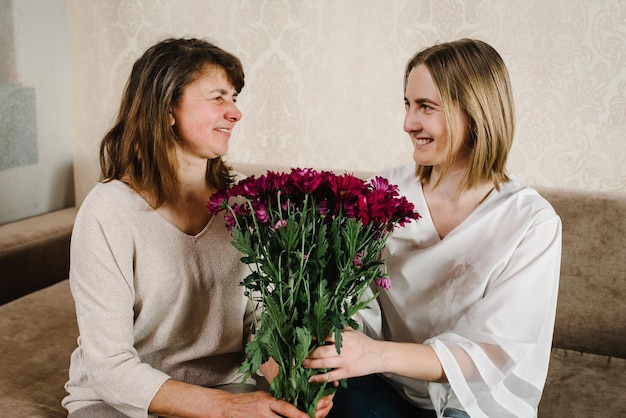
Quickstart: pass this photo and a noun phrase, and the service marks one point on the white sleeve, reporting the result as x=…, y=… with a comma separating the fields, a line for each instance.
x=370, y=317
x=496, y=355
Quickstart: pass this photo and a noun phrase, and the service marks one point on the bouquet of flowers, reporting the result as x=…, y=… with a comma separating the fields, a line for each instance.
x=313, y=241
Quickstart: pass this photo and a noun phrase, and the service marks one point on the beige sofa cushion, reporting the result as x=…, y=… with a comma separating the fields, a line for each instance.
x=591, y=309
x=584, y=385
x=39, y=333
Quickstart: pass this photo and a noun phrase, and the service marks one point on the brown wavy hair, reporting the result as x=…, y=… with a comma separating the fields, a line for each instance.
x=471, y=74
x=140, y=148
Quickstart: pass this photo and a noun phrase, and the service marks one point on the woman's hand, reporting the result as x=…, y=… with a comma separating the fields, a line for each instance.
x=178, y=399
x=261, y=404
x=324, y=406
x=360, y=355
x=269, y=369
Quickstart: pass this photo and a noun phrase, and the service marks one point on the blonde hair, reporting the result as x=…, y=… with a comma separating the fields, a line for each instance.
x=140, y=148
x=471, y=74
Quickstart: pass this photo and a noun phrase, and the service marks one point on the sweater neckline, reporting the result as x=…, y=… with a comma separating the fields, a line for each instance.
x=143, y=202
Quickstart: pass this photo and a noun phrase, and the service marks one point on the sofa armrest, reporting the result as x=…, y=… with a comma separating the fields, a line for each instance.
x=34, y=253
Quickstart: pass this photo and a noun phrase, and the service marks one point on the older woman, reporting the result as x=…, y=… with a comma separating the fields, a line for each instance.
x=162, y=318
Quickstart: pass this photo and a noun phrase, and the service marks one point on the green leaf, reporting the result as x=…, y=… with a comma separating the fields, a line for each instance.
x=241, y=241
x=303, y=342
x=254, y=358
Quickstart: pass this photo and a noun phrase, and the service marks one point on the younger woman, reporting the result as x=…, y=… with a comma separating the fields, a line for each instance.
x=467, y=324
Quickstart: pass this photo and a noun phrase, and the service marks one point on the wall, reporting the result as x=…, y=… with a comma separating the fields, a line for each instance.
x=36, y=173
x=8, y=71
x=324, y=78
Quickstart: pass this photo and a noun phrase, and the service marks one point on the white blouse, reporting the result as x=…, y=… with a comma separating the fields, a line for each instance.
x=484, y=298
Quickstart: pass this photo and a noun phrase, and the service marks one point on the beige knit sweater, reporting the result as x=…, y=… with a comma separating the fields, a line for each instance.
x=152, y=303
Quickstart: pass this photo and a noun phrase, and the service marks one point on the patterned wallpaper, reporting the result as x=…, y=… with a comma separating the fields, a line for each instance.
x=324, y=77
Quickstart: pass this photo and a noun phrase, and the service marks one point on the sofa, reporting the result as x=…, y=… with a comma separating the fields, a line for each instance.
x=587, y=373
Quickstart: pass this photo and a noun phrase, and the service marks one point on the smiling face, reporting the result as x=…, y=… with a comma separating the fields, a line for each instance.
x=425, y=122
x=205, y=115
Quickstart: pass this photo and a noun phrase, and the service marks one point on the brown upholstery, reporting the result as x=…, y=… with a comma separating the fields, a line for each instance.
x=587, y=374
x=34, y=253
x=37, y=335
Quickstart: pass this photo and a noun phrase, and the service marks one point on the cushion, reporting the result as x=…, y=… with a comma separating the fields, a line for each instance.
x=39, y=333
x=584, y=385
x=591, y=314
